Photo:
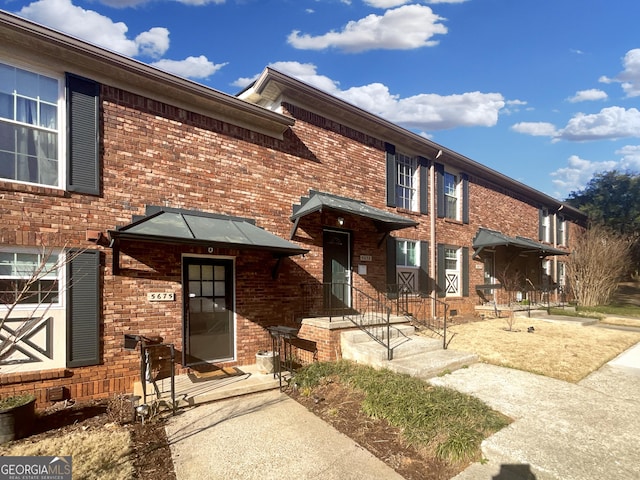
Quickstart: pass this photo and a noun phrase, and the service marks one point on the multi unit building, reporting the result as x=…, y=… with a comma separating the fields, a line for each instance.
x=180, y=212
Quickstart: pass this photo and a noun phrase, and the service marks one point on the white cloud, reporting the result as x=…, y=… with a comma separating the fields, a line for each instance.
x=423, y=111
x=588, y=95
x=630, y=76
x=95, y=28
x=154, y=42
x=609, y=124
x=537, y=129
x=630, y=157
x=134, y=3
x=577, y=174
x=396, y=3
x=191, y=67
x=404, y=28
x=513, y=106
x=198, y=3
x=431, y=111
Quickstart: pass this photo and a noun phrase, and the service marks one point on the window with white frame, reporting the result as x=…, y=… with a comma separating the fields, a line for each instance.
x=451, y=196
x=452, y=271
x=29, y=126
x=562, y=280
x=28, y=278
x=406, y=182
x=545, y=226
x=407, y=264
x=560, y=233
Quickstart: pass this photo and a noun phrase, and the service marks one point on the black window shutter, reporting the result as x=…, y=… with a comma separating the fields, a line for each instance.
x=391, y=267
x=540, y=220
x=423, y=273
x=465, y=198
x=441, y=272
x=83, y=135
x=440, y=189
x=423, y=169
x=83, y=309
x=465, y=271
x=391, y=174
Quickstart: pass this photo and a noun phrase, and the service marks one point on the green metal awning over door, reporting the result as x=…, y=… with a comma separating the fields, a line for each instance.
x=318, y=201
x=486, y=238
x=177, y=226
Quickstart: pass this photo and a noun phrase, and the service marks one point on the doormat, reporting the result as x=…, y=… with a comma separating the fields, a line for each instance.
x=217, y=374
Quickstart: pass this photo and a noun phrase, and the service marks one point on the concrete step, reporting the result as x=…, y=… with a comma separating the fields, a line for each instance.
x=378, y=331
x=431, y=364
x=413, y=355
x=372, y=352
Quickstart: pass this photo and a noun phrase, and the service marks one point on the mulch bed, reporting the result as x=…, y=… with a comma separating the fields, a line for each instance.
x=339, y=406
x=150, y=451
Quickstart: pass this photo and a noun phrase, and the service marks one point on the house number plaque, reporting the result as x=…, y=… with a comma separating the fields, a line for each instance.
x=161, y=296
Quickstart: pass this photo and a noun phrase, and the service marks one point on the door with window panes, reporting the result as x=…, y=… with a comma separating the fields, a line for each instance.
x=208, y=310
x=452, y=271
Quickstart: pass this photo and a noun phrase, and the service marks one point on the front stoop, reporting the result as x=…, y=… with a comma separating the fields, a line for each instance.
x=413, y=355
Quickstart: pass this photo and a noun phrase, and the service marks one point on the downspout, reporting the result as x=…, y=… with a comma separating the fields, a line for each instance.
x=432, y=235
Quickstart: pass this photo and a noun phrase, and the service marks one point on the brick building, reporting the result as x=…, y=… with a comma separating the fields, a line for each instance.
x=184, y=213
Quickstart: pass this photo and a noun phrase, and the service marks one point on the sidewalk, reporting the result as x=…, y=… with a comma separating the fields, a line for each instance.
x=561, y=430
x=265, y=436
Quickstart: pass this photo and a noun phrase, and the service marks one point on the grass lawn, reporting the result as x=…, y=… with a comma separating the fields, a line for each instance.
x=440, y=422
x=98, y=453
x=564, y=351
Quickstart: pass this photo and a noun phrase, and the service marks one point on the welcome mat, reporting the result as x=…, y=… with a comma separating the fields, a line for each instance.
x=215, y=374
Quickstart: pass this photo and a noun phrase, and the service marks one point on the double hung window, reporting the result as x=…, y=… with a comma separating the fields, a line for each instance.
x=451, y=195
x=29, y=278
x=406, y=182
x=29, y=126
x=545, y=226
x=561, y=237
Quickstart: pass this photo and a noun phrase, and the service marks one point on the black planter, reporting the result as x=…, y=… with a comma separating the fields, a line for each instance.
x=17, y=422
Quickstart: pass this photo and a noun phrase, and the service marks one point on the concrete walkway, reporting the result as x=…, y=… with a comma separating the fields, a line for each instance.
x=561, y=430
x=265, y=436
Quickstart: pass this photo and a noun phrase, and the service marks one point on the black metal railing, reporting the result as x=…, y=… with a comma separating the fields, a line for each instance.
x=423, y=310
x=342, y=301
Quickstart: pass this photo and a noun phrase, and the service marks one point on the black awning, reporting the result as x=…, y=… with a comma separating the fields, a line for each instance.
x=318, y=201
x=177, y=226
x=486, y=238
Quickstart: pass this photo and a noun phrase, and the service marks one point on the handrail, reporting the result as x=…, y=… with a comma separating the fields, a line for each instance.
x=347, y=302
x=419, y=306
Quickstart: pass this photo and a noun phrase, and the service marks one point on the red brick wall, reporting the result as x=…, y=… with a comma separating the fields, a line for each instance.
x=157, y=154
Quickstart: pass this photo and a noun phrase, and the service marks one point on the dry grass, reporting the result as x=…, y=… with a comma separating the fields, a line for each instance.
x=564, y=351
x=624, y=322
x=98, y=454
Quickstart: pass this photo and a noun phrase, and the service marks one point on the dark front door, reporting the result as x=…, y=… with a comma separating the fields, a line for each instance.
x=337, y=269
x=208, y=310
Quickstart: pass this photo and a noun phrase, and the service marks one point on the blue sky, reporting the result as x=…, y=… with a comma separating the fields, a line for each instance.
x=544, y=91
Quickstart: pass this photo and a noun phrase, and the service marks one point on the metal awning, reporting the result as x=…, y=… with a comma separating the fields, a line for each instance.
x=486, y=238
x=189, y=227
x=318, y=201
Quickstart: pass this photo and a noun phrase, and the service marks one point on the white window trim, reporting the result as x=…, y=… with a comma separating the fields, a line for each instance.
x=458, y=195
x=546, y=226
x=561, y=234
x=457, y=272
x=61, y=119
x=415, y=179
x=62, y=286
